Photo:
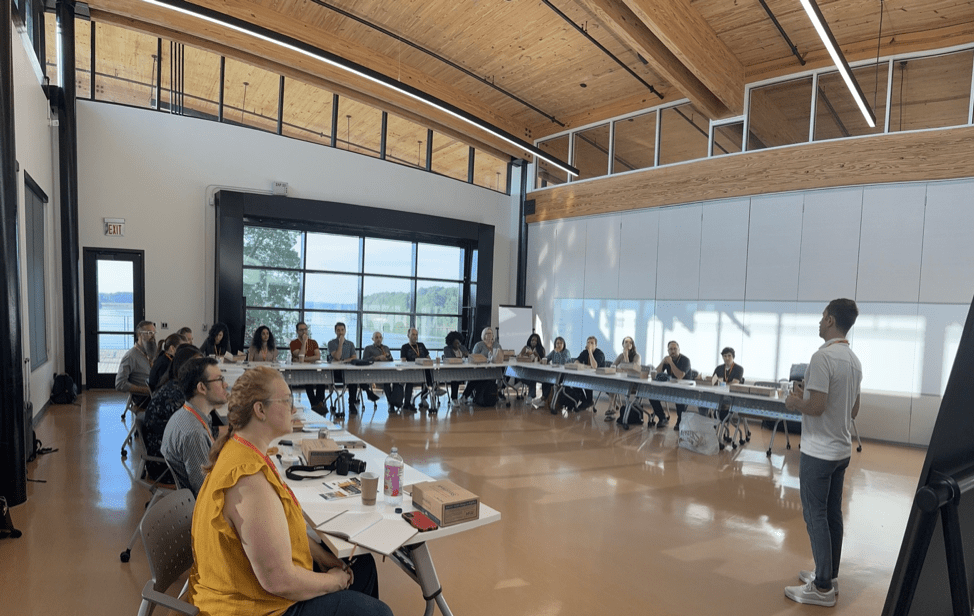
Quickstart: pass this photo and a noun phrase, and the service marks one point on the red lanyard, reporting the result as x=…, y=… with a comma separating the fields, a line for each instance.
x=206, y=428
x=728, y=372
x=270, y=464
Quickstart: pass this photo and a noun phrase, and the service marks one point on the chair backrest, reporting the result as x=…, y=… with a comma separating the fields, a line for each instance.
x=166, y=532
x=797, y=372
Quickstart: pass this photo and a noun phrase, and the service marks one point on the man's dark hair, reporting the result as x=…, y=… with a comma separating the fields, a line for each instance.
x=185, y=330
x=184, y=353
x=728, y=350
x=844, y=311
x=672, y=342
x=192, y=374
x=142, y=325
x=298, y=325
x=340, y=323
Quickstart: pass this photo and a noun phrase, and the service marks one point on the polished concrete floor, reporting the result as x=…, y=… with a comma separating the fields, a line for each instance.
x=596, y=520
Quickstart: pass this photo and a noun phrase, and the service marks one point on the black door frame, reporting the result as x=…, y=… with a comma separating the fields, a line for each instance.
x=90, y=258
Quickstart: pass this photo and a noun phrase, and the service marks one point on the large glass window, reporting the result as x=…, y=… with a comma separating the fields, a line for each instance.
x=359, y=127
x=684, y=134
x=250, y=96
x=405, y=142
x=592, y=152
x=82, y=57
x=190, y=81
x=489, y=171
x=125, y=65
x=451, y=157
x=836, y=113
x=635, y=146
x=548, y=174
x=728, y=139
x=307, y=112
x=779, y=114
x=370, y=284
x=931, y=92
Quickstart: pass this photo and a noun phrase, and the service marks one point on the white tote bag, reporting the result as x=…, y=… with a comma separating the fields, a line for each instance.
x=699, y=434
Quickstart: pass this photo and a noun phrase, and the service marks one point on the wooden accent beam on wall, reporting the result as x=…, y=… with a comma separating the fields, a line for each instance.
x=899, y=157
x=621, y=21
x=691, y=39
x=216, y=35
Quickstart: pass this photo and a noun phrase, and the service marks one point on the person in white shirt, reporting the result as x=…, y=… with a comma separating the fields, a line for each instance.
x=828, y=402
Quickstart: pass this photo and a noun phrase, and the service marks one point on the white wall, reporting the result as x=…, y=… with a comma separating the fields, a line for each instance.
x=157, y=171
x=755, y=274
x=35, y=142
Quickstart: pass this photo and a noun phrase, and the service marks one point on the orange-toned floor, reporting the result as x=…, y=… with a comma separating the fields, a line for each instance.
x=595, y=520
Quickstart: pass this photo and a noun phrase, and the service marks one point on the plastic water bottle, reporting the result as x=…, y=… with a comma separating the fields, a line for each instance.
x=392, y=481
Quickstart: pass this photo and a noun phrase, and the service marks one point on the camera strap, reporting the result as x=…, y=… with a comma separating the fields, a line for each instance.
x=292, y=471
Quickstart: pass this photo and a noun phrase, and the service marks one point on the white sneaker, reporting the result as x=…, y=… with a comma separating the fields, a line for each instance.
x=810, y=595
x=807, y=576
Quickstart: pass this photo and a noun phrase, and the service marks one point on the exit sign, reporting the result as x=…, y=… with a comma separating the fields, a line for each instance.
x=115, y=227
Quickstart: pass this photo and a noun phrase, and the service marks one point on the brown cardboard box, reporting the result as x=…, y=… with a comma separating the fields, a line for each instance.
x=763, y=391
x=320, y=451
x=445, y=502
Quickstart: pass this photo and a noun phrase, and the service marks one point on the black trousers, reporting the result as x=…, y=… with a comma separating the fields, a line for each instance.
x=658, y=409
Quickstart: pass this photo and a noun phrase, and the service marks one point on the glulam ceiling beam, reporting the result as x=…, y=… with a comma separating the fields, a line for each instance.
x=688, y=36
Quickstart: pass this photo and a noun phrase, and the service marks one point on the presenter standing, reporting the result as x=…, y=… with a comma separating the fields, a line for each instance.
x=828, y=403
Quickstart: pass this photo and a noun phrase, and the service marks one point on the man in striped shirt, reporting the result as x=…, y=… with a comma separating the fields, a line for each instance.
x=189, y=433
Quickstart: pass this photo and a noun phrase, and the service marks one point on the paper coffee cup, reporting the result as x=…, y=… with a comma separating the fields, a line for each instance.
x=370, y=487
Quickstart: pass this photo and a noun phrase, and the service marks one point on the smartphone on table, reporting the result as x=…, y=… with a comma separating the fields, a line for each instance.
x=419, y=520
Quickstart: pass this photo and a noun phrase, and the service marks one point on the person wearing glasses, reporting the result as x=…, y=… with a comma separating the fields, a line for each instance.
x=189, y=434
x=136, y=365
x=164, y=403
x=304, y=349
x=252, y=552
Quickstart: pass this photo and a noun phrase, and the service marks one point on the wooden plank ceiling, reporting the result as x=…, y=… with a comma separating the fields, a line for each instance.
x=704, y=50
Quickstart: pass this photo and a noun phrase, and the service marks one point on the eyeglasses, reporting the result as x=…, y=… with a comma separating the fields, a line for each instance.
x=221, y=379
x=289, y=400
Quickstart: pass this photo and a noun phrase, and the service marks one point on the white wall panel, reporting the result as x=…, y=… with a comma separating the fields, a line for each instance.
x=541, y=256
x=883, y=416
x=923, y=417
x=637, y=265
x=830, y=244
x=774, y=247
x=890, y=246
x=602, y=252
x=568, y=280
x=939, y=327
x=723, y=249
x=678, y=269
x=947, y=270
x=884, y=339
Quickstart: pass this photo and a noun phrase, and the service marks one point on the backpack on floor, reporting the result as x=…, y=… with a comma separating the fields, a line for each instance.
x=6, y=524
x=64, y=390
x=569, y=399
x=396, y=395
x=486, y=396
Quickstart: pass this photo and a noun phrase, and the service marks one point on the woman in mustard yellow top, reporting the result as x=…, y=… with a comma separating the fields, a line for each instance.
x=251, y=552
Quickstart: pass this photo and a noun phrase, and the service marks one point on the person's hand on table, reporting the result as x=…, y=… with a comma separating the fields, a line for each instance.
x=794, y=400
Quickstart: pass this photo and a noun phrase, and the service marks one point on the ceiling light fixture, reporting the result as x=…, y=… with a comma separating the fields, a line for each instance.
x=815, y=15
x=286, y=42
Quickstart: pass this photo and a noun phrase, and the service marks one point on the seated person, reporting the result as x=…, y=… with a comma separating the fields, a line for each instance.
x=217, y=343
x=341, y=351
x=559, y=356
x=187, y=333
x=160, y=367
x=532, y=349
x=378, y=352
x=492, y=350
x=677, y=366
x=628, y=357
x=411, y=351
x=454, y=348
x=252, y=551
x=262, y=346
x=593, y=357
x=189, y=434
x=304, y=349
x=165, y=401
x=727, y=372
x=136, y=364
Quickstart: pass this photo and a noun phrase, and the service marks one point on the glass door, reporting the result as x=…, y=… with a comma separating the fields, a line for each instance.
x=114, y=303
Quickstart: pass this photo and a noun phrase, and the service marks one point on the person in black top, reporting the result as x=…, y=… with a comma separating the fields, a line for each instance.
x=594, y=357
x=533, y=348
x=454, y=348
x=160, y=367
x=728, y=372
x=217, y=343
x=678, y=367
x=410, y=352
x=165, y=401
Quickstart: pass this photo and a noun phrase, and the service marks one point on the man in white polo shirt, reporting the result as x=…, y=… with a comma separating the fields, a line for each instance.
x=828, y=404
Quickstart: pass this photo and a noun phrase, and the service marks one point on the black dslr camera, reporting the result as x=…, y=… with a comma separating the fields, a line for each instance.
x=346, y=463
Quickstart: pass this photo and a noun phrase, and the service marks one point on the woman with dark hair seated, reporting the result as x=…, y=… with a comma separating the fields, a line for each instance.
x=533, y=349
x=262, y=346
x=217, y=342
x=160, y=367
x=454, y=348
x=252, y=551
x=165, y=401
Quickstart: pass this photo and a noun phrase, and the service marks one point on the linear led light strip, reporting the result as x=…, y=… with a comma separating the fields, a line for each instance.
x=815, y=14
x=228, y=22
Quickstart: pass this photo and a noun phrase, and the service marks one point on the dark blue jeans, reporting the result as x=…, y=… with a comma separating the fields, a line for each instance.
x=821, y=491
x=362, y=599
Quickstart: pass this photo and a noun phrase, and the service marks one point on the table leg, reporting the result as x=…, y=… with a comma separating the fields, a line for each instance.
x=416, y=562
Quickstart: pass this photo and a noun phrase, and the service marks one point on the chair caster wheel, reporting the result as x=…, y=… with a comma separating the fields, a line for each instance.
x=769, y=453
x=125, y=556
x=721, y=446
x=508, y=405
x=124, y=453
x=733, y=445
x=788, y=446
x=859, y=448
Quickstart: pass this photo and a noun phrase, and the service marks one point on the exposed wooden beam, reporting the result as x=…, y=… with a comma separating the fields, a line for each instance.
x=690, y=38
x=619, y=19
x=899, y=157
x=207, y=35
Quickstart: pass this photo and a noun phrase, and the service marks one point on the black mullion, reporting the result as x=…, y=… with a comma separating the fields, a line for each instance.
x=94, y=67
x=382, y=137
x=470, y=165
x=429, y=149
x=159, y=74
x=280, y=108
x=223, y=75
x=334, y=120
x=304, y=272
